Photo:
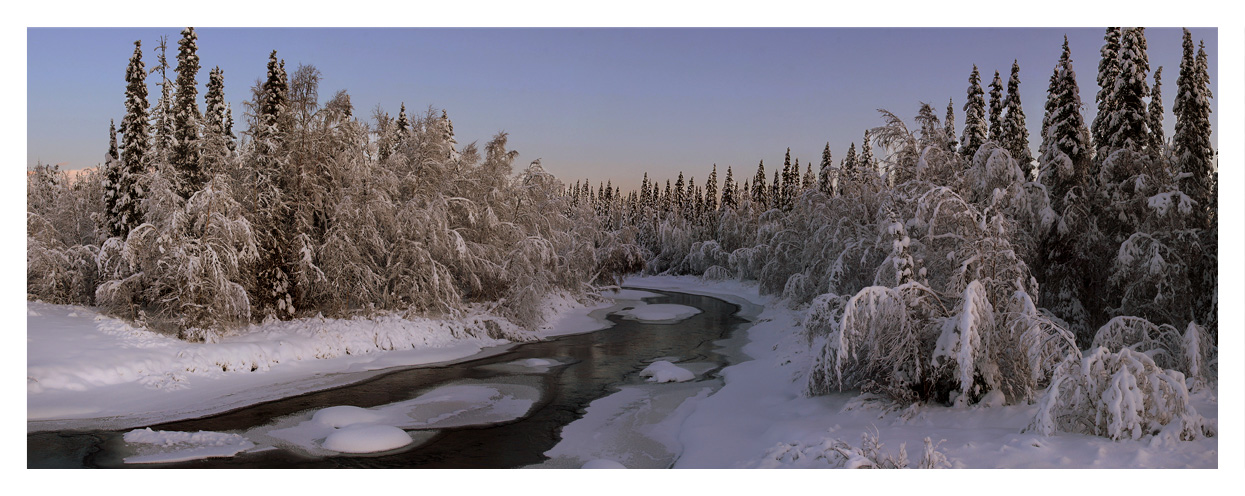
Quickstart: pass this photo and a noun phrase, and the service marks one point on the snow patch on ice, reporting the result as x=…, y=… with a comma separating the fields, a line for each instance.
x=663, y=371
x=174, y=446
x=599, y=463
x=664, y=313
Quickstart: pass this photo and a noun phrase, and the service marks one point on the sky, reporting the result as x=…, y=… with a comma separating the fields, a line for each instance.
x=595, y=103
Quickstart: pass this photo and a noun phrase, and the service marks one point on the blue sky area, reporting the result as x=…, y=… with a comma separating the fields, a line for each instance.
x=595, y=103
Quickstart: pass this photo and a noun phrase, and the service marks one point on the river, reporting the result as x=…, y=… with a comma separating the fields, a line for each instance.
x=588, y=366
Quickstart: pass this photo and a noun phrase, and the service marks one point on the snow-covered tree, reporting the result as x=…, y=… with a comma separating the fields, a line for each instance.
x=1015, y=136
x=124, y=188
x=996, y=109
x=711, y=191
x=728, y=191
x=186, y=118
x=949, y=125
x=975, y=130
x=1192, y=151
x=1155, y=115
x=1127, y=125
x=1108, y=72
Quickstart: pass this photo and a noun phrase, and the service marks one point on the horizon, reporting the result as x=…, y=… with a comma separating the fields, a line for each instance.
x=603, y=104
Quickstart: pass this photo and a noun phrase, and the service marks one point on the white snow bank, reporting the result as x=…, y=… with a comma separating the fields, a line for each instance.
x=663, y=371
x=659, y=313
x=173, y=446
x=86, y=370
x=603, y=464
x=367, y=438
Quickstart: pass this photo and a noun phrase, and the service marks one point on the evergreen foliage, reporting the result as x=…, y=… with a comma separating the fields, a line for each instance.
x=975, y=130
x=186, y=118
x=1015, y=136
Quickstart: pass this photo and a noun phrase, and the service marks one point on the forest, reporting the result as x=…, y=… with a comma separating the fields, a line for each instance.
x=930, y=266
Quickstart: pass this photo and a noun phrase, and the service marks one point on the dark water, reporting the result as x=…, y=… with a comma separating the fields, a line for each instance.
x=593, y=364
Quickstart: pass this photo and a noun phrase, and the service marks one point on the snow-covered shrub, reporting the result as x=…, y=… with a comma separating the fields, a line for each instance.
x=1192, y=352
x=1120, y=395
x=717, y=273
x=836, y=453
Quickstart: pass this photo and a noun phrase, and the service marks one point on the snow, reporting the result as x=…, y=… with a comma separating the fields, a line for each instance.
x=664, y=313
x=603, y=464
x=761, y=406
x=629, y=294
x=365, y=438
x=663, y=371
x=172, y=446
x=87, y=370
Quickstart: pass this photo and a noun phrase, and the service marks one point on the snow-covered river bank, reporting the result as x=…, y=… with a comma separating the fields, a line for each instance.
x=506, y=410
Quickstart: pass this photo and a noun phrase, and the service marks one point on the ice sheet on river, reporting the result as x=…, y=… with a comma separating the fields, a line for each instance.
x=172, y=446
x=351, y=429
x=663, y=313
x=637, y=427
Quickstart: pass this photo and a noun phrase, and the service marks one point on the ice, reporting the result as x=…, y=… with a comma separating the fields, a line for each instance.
x=367, y=438
x=664, y=313
x=663, y=371
x=351, y=429
x=599, y=463
x=174, y=446
x=525, y=366
x=639, y=427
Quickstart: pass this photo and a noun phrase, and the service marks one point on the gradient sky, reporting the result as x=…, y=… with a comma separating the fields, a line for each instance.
x=596, y=103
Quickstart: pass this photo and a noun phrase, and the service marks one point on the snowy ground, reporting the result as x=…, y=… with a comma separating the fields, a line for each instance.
x=760, y=419
x=757, y=419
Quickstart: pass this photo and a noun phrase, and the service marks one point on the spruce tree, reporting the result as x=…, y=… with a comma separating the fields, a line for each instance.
x=216, y=134
x=711, y=191
x=759, y=196
x=788, y=186
x=1015, y=136
x=868, y=167
x=273, y=294
x=162, y=113
x=824, y=179
x=996, y=109
x=678, y=192
x=186, y=117
x=776, y=191
x=1155, y=114
x=948, y=126
x=126, y=214
x=1127, y=124
x=1108, y=71
x=111, y=179
x=404, y=126
x=850, y=168
x=809, y=178
x=728, y=190
x=974, y=117
x=1191, y=141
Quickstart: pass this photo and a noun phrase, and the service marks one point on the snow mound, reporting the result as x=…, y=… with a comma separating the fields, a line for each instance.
x=663, y=371
x=174, y=446
x=367, y=438
x=463, y=405
x=603, y=464
x=342, y=416
x=664, y=313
